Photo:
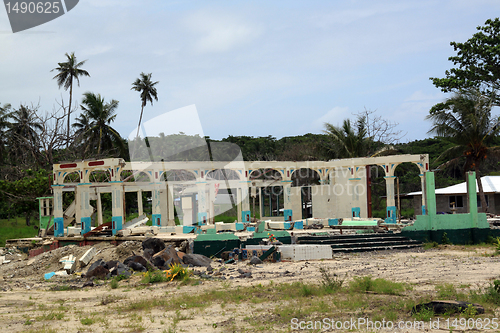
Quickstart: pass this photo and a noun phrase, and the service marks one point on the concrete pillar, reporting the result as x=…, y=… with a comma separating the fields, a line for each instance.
x=170, y=206
x=202, y=203
x=238, y=204
x=287, y=198
x=117, y=206
x=140, y=207
x=261, y=204
x=58, y=210
x=422, y=182
x=156, y=205
x=354, y=184
x=99, y=209
x=83, y=193
x=187, y=210
x=391, y=202
x=472, y=192
x=245, y=202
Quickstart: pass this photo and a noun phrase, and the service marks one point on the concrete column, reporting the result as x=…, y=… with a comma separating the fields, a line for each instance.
x=139, y=203
x=238, y=204
x=422, y=182
x=170, y=206
x=99, y=209
x=58, y=211
x=287, y=198
x=391, y=202
x=472, y=192
x=85, y=208
x=261, y=205
x=354, y=184
x=156, y=204
x=202, y=203
x=245, y=202
x=117, y=206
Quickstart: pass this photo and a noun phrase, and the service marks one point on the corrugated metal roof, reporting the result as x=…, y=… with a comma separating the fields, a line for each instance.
x=491, y=184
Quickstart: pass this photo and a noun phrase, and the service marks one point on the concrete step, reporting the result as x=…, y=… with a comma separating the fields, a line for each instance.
x=376, y=248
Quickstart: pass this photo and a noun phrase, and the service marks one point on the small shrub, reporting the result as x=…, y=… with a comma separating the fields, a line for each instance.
x=445, y=240
x=87, y=321
x=114, y=284
x=178, y=272
x=470, y=312
x=330, y=282
x=154, y=277
x=425, y=314
x=447, y=291
x=430, y=245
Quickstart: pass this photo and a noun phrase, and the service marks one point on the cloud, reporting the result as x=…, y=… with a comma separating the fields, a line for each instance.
x=217, y=32
x=334, y=117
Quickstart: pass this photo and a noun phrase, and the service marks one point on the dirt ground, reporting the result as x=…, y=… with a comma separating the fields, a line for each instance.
x=28, y=303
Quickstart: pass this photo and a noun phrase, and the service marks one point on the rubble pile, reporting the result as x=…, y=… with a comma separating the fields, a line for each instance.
x=80, y=266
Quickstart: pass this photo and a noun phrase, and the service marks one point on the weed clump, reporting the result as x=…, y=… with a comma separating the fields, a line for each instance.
x=330, y=282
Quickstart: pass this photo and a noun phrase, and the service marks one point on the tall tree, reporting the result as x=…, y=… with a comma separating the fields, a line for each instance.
x=146, y=87
x=466, y=120
x=348, y=141
x=4, y=125
x=67, y=72
x=95, y=122
x=477, y=62
x=23, y=135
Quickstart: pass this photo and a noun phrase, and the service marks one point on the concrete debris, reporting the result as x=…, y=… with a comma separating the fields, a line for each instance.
x=155, y=244
x=61, y=273
x=168, y=254
x=198, y=260
x=255, y=261
x=99, y=272
x=87, y=257
x=69, y=263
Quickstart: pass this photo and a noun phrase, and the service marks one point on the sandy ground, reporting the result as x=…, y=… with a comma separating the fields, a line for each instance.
x=26, y=300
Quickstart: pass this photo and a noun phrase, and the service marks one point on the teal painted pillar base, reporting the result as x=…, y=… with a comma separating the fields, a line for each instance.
x=355, y=211
x=58, y=227
x=333, y=222
x=391, y=215
x=85, y=225
x=423, y=210
x=245, y=216
x=116, y=224
x=156, y=220
x=202, y=218
x=288, y=214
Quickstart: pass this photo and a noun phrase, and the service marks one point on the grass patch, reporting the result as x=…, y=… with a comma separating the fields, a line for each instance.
x=379, y=286
x=16, y=228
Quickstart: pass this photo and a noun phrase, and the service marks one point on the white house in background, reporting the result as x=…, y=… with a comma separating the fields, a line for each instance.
x=454, y=198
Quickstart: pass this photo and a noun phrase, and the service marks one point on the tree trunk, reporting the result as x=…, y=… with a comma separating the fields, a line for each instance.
x=28, y=217
x=140, y=119
x=482, y=198
x=69, y=110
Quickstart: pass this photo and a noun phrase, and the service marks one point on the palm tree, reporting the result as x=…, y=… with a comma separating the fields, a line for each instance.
x=466, y=120
x=146, y=87
x=93, y=124
x=347, y=141
x=4, y=125
x=22, y=133
x=67, y=72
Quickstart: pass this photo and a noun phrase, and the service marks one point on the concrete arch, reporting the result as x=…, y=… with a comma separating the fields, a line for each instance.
x=178, y=175
x=305, y=177
x=71, y=177
x=222, y=174
x=97, y=176
x=131, y=176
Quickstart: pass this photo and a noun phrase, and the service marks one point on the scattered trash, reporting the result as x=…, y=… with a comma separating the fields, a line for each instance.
x=87, y=257
x=47, y=276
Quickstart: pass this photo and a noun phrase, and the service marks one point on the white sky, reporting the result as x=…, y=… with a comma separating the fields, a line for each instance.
x=256, y=68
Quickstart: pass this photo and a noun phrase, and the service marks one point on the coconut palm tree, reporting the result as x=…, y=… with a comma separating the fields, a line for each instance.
x=67, y=72
x=466, y=120
x=22, y=133
x=347, y=141
x=94, y=123
x=146, y=87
